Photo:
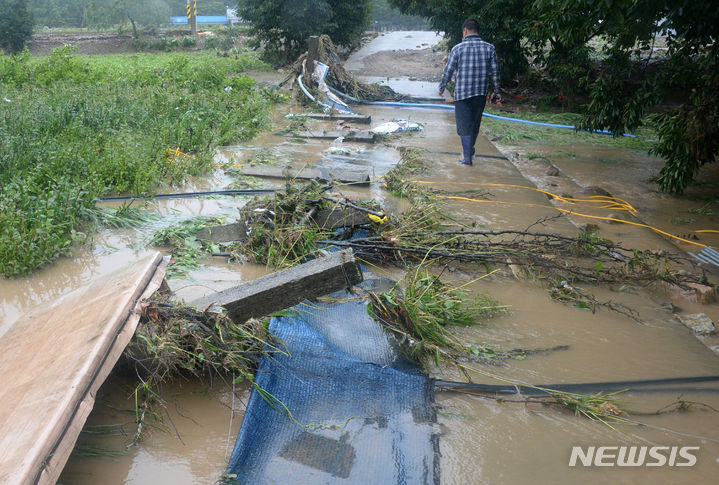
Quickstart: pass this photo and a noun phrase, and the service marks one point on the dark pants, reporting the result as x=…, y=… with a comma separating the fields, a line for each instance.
x=468, y=113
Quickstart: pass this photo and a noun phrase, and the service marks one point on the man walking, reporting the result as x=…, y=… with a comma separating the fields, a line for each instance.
x=474, y=62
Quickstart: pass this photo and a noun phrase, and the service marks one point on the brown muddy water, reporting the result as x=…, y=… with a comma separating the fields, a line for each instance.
x=482, y=440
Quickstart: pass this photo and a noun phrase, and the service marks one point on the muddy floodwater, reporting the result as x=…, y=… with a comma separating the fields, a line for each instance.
x=481, y=440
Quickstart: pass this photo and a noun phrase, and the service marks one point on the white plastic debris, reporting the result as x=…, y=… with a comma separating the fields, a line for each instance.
x=395, y=126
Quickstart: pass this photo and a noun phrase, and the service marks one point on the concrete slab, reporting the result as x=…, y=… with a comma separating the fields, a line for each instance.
x=364, y=119
x=344, y=176
x=287, y=288
x=356, y=136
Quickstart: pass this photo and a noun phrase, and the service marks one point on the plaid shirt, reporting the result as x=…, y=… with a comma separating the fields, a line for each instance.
x=475, y=61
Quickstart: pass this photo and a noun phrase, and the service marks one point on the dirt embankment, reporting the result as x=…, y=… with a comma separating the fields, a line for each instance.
x=419, y=65
x=86, y=43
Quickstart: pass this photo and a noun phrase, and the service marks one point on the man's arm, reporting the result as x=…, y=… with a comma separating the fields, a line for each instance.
x=494, y=75
x=448, y=71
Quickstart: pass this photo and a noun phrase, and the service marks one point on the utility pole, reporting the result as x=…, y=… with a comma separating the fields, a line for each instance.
x=192, y=15
x=313, y=55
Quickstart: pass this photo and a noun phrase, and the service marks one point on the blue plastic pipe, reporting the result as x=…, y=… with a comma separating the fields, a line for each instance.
x=451, y=107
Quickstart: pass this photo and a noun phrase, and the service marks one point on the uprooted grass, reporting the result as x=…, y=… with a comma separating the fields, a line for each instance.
x=174, y=341
x=282, y=234
x=421, y=314
x=398, y=180
x=185, y=247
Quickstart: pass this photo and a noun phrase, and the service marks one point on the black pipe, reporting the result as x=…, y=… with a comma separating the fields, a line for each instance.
x=583, y=388
x=186, y=195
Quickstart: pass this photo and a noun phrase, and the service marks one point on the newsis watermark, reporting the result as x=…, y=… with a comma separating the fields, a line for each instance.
x=633, y=456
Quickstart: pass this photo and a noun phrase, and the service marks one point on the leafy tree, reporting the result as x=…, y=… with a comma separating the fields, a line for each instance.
x=386, y=16
x=204, y=7
x=16, y=24
x=628, y=84
x=283, y=26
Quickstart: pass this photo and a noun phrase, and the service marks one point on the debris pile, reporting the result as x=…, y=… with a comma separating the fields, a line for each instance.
x=339, y=79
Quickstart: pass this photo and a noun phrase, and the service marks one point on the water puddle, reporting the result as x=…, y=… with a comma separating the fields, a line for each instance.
x=391, y=41
x=190, y=446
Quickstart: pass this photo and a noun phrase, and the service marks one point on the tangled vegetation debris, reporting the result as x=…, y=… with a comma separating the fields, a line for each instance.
x=283, y=229
x=340, y=79
x=421, y=313
x=185, y=247
x=173, y=340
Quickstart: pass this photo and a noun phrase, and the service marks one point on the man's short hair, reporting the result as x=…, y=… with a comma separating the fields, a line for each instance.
x=471, y=25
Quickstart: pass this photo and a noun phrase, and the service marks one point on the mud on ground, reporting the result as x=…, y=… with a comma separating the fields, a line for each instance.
x=86, y=43
x=422, y=65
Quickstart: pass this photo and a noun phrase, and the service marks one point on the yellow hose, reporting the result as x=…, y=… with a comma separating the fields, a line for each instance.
x=614, y=203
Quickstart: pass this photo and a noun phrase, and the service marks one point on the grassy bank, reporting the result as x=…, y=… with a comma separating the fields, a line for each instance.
x=512, y=133
x=74, y=128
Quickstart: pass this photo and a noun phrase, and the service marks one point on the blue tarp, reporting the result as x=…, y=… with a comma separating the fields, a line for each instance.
x=353, y=409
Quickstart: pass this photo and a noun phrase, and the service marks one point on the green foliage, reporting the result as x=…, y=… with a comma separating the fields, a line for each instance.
x=283, y=27
x=98, y=13
x=16, y=24
x=184, y=246
x=74, y=128
x=386, y=17
x=629, y=84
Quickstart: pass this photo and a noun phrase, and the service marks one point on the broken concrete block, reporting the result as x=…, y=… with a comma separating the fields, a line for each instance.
x=699, y=323
x=340, y=217
x=287, y=288
x=224, y=233
x=694, y=292
x=703, y=293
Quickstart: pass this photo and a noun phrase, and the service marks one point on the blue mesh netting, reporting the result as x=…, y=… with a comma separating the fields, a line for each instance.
x=360, y=413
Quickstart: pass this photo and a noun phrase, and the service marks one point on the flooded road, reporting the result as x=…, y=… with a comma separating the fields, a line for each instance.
x=481, y=440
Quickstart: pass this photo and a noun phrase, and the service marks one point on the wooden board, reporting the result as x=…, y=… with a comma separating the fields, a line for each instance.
x=52, y=362
x=307, y=173
x=287, y=288
x=356, y=136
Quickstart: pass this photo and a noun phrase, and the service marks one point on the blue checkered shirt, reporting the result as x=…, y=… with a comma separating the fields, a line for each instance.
x=474, y=61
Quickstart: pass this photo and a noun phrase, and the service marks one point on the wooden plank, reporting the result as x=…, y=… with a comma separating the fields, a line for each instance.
x=356, y=136
x=356, y=118
x=343, y=176
x=54, y=359
x=287, y=288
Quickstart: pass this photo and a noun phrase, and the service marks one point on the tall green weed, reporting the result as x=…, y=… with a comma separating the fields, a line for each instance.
x=73, y=129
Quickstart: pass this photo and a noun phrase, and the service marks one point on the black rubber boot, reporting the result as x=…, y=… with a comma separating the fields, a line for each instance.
x=467, y=150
